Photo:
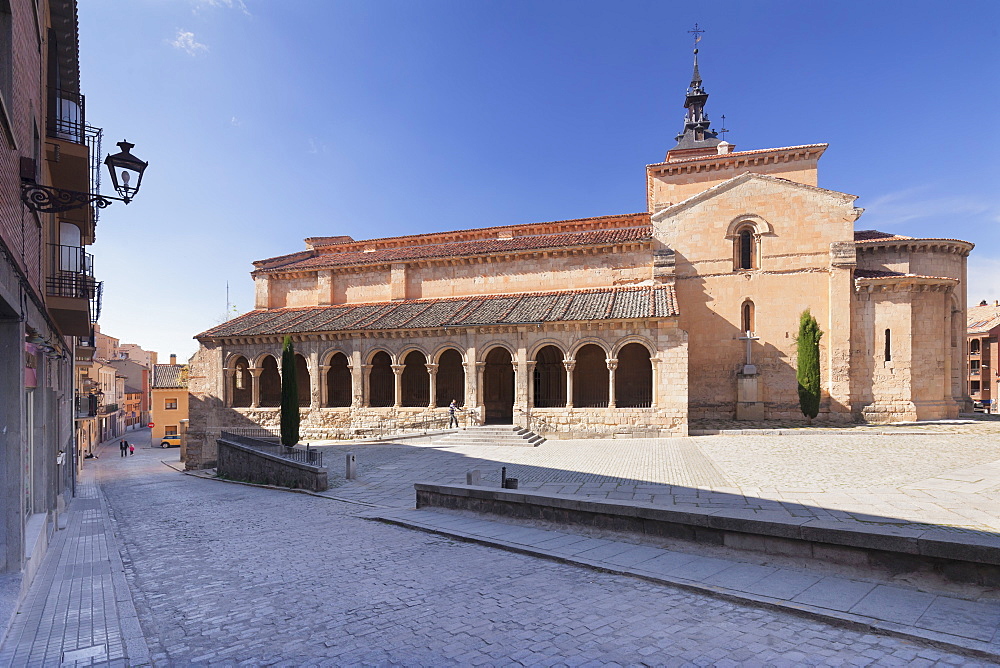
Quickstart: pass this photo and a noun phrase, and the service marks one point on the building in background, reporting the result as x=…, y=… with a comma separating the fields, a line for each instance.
x=137, y=377
x=982, y=367
x=134, y=352
x=169, y=411
x=49, y=297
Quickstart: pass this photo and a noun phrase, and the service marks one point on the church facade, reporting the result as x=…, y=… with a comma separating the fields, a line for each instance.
x=632, y=324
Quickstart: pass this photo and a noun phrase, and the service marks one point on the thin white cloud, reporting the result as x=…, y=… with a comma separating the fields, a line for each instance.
x=186, y=42
x=235, y=122
x=316, y=147
x=917, y=204
x=225, y=4
x=984, y=279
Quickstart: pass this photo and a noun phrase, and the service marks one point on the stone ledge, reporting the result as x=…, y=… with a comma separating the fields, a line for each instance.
x=974, y=557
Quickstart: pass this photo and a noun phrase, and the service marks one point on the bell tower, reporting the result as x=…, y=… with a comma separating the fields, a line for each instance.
x=697, y=137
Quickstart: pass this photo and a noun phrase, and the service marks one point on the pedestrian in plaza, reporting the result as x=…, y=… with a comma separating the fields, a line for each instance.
x=122, y=446
x=131, y=449
x=452, y=414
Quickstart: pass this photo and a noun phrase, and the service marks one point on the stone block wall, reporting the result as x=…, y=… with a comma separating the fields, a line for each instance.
x=237, y=462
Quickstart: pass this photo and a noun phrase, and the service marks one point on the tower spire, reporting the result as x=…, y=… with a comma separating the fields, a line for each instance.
x=697, y=135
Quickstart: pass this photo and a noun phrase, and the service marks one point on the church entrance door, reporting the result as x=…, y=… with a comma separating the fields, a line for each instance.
x=498, y=387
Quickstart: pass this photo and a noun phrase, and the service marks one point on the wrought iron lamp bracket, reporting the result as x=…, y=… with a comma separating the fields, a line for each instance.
x=47, y=199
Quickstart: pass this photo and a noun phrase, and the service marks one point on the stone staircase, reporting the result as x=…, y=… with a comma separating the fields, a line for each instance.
x=497, y=434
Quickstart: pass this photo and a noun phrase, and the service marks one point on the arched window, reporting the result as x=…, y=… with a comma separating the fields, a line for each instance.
x=550, y=378
x=888, y=346
x=634, y=377
x=450, y=378
x=240, y=391
x=381, y=381
x=747, y=317
x=416, y=381
x=745, y=249
x=302, y=384
x=590, y=378
x=338, y=382
x=270, y=383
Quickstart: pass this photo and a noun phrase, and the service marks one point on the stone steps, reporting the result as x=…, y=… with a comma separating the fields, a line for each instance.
x=493, y=435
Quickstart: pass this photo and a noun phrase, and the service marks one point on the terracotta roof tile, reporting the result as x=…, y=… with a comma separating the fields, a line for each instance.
x=169, y=376
x=982, y=318
x=601, y=304
x=317, y=259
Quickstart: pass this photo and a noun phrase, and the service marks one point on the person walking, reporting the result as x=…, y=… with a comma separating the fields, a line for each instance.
x=121, y=447
x=131, y=449
x=452, y=414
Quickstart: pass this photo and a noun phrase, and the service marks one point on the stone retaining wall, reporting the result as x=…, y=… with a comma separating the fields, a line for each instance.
x=238, y=462
x=962, y=557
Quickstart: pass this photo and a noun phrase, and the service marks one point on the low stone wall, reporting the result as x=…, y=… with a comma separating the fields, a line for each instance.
x=559, y=423
x=239, y=462
x=962, y=557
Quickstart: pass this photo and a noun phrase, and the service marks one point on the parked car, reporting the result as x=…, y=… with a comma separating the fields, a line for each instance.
x=171, y=441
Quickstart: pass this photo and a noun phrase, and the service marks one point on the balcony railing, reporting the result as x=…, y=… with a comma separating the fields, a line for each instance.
x=67, y=121
x=73, y=276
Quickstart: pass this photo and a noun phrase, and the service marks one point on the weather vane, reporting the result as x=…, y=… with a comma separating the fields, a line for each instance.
x=723, y=131
x=697, y=35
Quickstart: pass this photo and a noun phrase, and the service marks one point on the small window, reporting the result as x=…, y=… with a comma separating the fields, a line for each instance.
x=746, y=317
x=170, y=430
x=974, y=367
x=974, y=346
x=170, y=404
x=974, y=387
x=745, y=249
x=888, y=346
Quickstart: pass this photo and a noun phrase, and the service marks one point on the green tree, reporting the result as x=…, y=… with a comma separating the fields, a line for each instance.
x=289, y=396
x=808, y=364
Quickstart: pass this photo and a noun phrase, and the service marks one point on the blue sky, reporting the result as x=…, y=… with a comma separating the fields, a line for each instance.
x=267, y=121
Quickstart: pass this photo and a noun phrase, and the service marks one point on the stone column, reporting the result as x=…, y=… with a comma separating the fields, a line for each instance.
x=324, y=399
x=569, y=364
x=655, y=361
x=432, y=372
x=480, y=406
x=366, y=384
x=255, y=389
x=312, y=363
x=612, y=366
x=529, y=369
x=397, y=370
x=228, y=376
x=357, y=379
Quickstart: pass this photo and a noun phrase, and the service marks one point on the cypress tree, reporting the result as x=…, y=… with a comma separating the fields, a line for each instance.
x=289, y=396
x=807, y=372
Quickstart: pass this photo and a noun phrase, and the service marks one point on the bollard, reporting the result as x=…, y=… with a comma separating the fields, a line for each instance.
x=473, y=477
x=352, y=466
x=503, y=477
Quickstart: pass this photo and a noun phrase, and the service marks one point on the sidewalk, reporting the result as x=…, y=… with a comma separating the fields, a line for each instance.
x=946, y=621
x=79, y=611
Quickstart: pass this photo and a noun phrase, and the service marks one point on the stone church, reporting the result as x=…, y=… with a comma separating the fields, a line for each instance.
x=631, y=324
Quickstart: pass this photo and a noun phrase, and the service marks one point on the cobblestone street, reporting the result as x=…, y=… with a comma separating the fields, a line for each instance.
x=223, y=574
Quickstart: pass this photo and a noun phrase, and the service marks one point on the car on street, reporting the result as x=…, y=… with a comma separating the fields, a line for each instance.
x=171, y=441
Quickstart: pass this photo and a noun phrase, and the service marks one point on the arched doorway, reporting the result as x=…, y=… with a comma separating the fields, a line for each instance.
x=450, y=378
x=550, y=378
x=416, y=381
x=338, y=382
x=590, y=378
x=381, y=382
x=302, y=381
x=241, y=391
x=634, y=377
x=498, y=387
x=270, y=383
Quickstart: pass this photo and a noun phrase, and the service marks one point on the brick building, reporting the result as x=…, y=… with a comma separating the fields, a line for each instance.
x=48, y=295
x=982, y=370
x=637, y=323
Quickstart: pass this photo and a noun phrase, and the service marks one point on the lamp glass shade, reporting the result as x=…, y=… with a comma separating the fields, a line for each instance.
x=125, y=170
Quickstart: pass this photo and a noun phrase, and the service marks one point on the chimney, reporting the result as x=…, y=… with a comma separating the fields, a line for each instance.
x=173, y=358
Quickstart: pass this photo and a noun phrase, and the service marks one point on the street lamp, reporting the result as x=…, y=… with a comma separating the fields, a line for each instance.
x=123, y=166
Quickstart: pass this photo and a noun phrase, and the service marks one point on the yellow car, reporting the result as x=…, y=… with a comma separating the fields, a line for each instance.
x=171, y=441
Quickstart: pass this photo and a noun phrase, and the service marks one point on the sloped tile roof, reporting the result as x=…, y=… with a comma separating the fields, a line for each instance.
x=982, y=318
x=882, y=273
x=602, y=304
x=316, y=260
x=169, y=375
x=875, y=235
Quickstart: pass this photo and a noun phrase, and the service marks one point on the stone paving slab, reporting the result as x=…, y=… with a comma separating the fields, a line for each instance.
x=945, y=620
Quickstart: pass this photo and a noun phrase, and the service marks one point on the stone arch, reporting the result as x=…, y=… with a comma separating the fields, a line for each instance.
x=759, y=225
x=746, y=231
x=634, y=377
x=270, y=382
x=381, y=381
x=415, y=380
x=489, y=347
x=327, y=357
x=748, y=316
x=303, y=386
x=634, y=338
x=450, y=383
x=258, y=361
x=338, y=381
x=498, y=385
x=240, y=382
x=589, y=341
x=590, y=377
x=370, y=356
x=549, y=377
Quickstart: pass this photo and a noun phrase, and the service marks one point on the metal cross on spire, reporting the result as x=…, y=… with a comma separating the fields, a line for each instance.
x=697, y=36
